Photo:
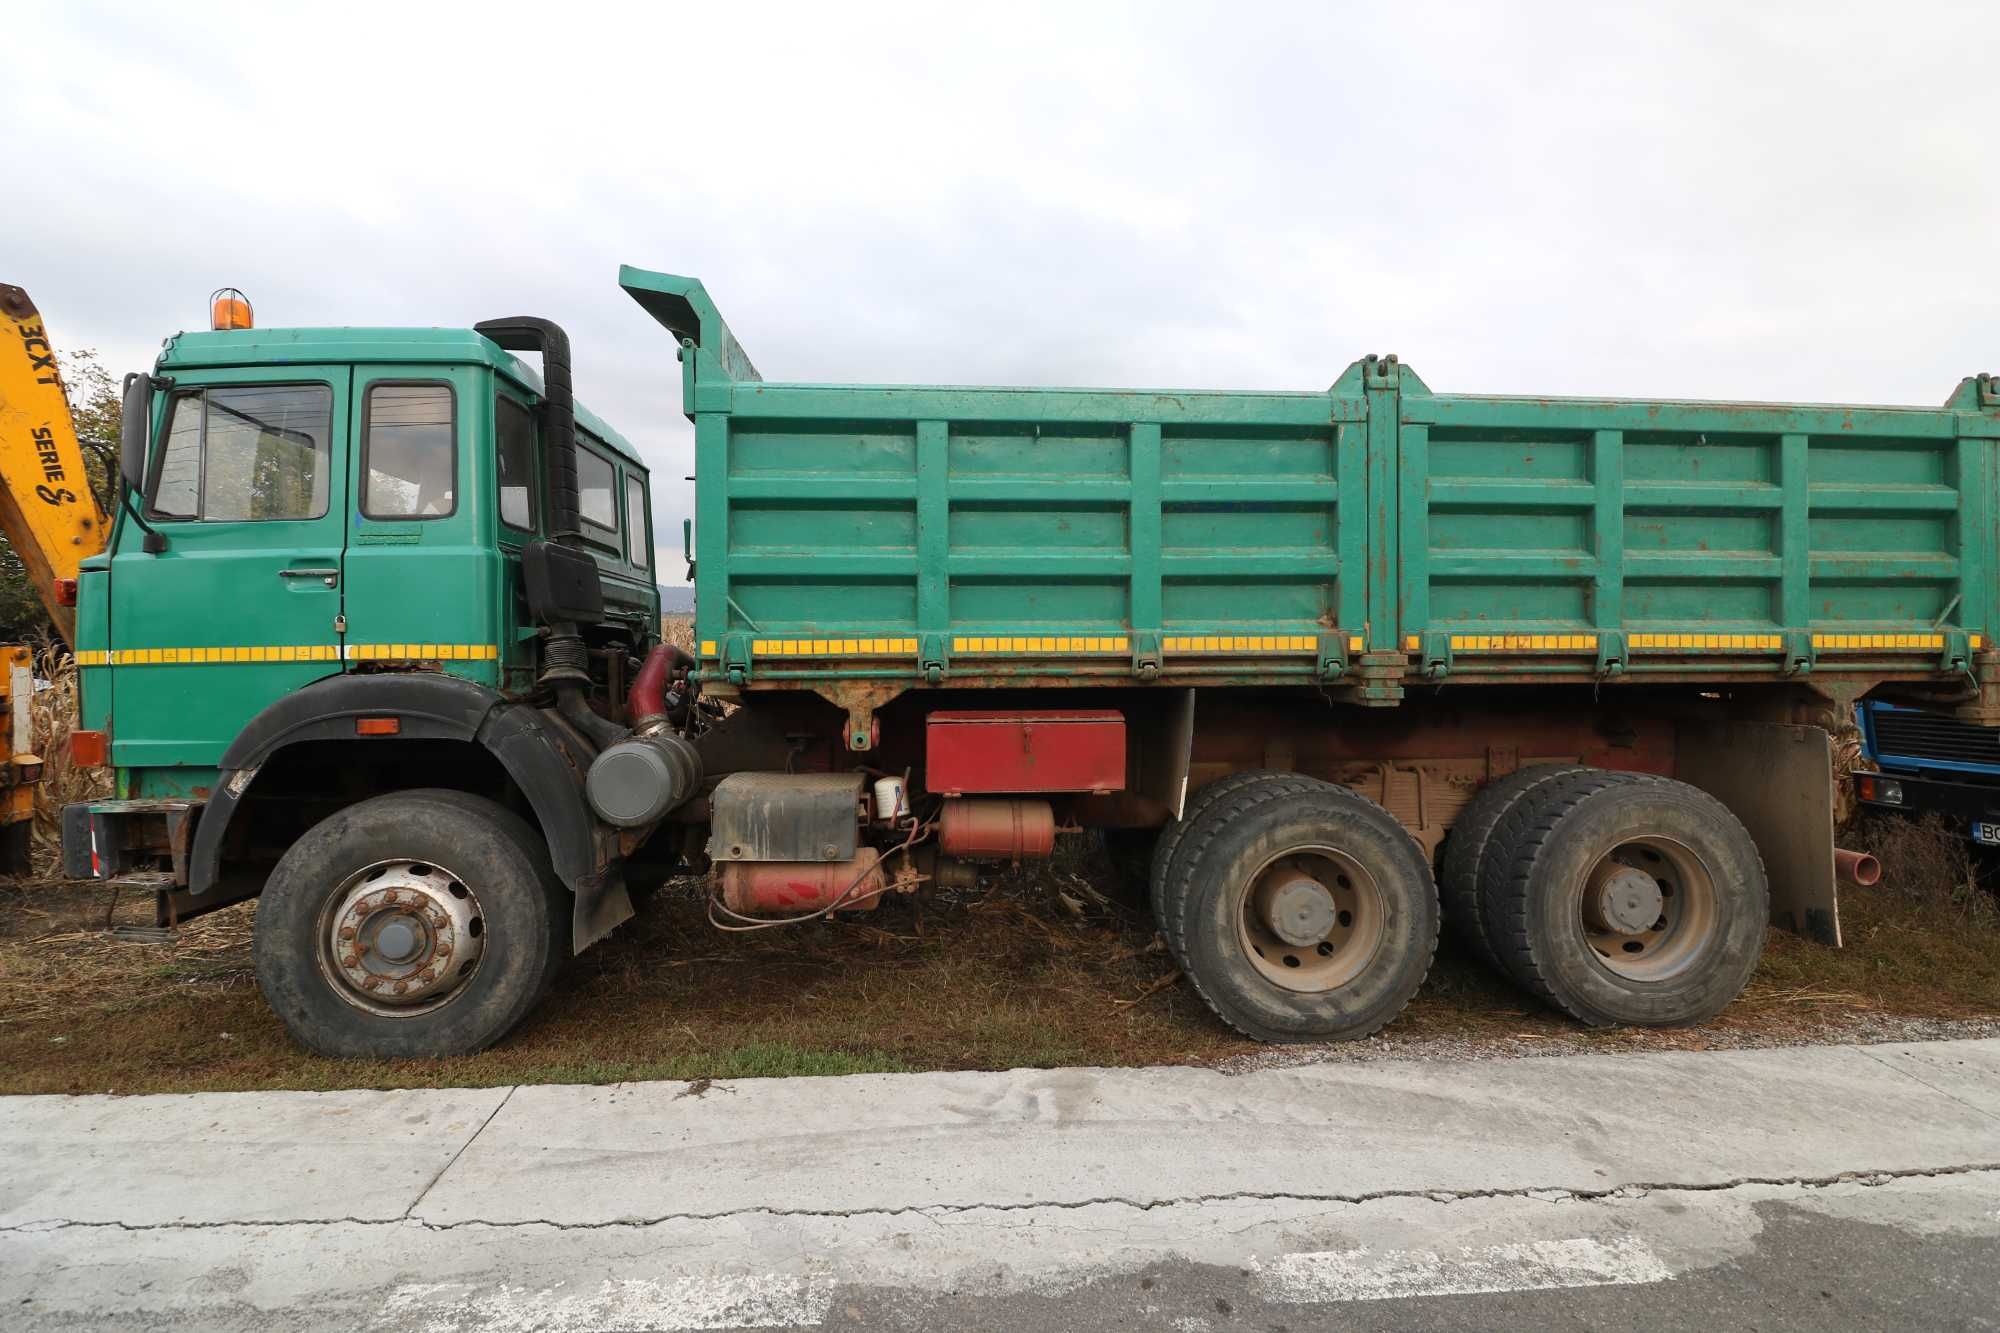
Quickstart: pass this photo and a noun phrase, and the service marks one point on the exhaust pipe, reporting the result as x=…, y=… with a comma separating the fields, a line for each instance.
x=527, y=333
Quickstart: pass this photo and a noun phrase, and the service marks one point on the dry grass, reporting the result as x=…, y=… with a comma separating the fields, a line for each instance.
x=1037, y=971
x=55, y=716
x=678, y=630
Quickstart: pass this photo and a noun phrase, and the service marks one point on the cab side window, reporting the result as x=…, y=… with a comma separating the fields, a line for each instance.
x=409, y=451
x=514, y=432
x=641, y=553
x=244, y=453
x=597, y=494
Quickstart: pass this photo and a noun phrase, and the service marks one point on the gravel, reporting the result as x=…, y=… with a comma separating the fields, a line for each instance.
x=1840, y=1030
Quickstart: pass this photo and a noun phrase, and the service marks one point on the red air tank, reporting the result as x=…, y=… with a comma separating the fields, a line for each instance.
x=997, y=830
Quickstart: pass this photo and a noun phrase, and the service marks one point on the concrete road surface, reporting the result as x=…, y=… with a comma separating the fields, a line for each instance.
x=1824, y=1188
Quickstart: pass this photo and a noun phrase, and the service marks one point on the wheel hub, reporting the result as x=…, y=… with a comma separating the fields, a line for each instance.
x=1300, y=911
x=1623, y=900
x=1310, y=919
x=402, y=936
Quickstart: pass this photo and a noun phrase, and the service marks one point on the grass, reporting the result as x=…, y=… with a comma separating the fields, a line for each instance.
x=1013, y=976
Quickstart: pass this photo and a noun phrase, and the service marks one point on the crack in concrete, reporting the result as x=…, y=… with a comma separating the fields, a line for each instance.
x=1914, y=1077
x=431, y=1184
x=932, y=1211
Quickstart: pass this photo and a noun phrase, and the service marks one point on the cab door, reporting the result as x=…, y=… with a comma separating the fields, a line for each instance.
x=246, y=486
x=424, y=573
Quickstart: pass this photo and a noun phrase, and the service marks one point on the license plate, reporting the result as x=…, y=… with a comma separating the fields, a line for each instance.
x=1986, y=833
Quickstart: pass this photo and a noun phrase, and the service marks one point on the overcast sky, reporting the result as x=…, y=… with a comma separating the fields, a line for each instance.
x=1731, y=200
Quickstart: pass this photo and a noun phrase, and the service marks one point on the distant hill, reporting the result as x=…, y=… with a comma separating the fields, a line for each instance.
x=677, y=599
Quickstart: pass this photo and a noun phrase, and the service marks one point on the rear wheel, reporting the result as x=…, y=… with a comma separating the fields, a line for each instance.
x=1165, y=878
x=420, y=923
x=1305, y=914
x=1465, y=850
x=1635, y=901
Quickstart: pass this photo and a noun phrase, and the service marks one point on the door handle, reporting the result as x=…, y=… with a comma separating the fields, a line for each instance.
x=331, y=577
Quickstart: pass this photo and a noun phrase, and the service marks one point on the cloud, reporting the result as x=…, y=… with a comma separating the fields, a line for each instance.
x=1711, y=200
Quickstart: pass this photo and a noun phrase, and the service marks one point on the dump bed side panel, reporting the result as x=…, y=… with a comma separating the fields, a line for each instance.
x=1668, y=535
x=1372, y=537
x=861, y=532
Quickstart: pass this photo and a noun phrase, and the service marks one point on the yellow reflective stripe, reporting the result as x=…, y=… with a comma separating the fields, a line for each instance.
x=868, y=647
x=422, y=652
x=1903, y=643
x=1726, y=643
x=1523, y=643
x=979, y=645
x=1240, y=643
x=292, y=652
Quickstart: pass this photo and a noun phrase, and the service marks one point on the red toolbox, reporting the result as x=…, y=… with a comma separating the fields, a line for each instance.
x=1007, y=750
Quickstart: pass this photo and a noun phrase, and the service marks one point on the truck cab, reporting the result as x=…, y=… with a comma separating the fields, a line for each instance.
x=329, y=502
x=350, y=564
x=1920, y=761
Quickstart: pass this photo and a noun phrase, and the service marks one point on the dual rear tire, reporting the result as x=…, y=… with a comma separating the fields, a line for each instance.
x=1621, y=898
x=1300, y=911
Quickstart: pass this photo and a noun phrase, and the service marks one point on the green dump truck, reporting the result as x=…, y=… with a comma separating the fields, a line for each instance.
x=376, y=638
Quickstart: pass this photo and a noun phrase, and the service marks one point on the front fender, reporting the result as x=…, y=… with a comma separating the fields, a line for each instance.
x=545, y=758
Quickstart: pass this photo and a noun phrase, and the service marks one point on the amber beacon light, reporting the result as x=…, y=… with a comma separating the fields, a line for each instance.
x=229, y=309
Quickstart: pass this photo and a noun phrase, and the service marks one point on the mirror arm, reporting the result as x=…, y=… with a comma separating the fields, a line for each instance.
x=155, y=541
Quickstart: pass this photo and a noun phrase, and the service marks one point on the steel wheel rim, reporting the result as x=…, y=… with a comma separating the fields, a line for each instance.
x=1355, y=906
x=1677, y=938
x=400, y=938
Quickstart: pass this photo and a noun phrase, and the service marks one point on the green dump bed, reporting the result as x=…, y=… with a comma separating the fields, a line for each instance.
x=1376, y=534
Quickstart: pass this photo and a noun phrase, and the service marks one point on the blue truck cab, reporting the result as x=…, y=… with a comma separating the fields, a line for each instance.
x=1919, y=762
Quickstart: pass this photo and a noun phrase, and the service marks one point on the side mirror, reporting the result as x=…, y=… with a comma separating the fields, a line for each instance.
x=135, y=431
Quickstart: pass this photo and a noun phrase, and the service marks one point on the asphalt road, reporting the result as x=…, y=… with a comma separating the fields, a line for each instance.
x=1828, y=1188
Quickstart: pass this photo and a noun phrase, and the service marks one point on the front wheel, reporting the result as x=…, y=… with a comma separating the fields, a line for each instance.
x=1304, y=914
x=417, y=924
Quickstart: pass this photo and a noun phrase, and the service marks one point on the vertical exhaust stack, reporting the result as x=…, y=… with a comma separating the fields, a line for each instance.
x=635, y=779
x=562, y=581
x=527, y=333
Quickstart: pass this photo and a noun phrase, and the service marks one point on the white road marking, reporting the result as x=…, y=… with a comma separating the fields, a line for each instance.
x=1371, y=1275
x=634, y=1305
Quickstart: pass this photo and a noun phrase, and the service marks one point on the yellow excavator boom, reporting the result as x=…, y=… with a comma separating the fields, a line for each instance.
x=52, y=517
x=47, y=508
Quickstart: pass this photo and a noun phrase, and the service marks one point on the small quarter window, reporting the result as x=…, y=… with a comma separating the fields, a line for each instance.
x=409, y=453
x=514, y=429
x=596, y=489
x=635, y=523
x=246, y=453
x=177, y=485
